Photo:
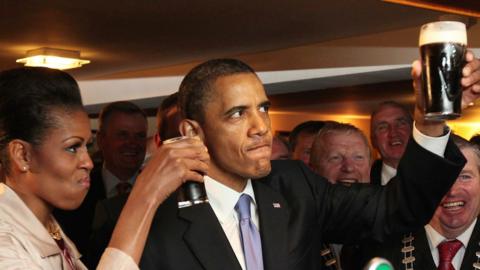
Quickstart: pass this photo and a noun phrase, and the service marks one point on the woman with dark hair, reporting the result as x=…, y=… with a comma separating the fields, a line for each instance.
x=44, y=132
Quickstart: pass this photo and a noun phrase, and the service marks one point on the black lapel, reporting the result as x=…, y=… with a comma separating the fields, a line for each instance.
x=206, y=238
x=472, y=248
x=273, y=215
x=422, y=252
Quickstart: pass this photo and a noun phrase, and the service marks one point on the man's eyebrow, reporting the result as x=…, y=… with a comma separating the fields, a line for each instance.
x=265, y=103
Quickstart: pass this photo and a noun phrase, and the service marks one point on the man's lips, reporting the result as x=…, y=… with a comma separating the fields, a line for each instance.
x=396, y=142
x=347, y=181
x=258, y=146
x=453, y=204
x=85, y=182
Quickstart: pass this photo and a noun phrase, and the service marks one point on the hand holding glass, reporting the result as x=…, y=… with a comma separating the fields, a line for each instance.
x=191, y=192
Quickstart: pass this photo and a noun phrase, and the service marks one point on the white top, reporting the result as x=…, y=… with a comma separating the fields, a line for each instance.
x=26, y=244
x=387, y=174
x=435, y=238
x=223, y=200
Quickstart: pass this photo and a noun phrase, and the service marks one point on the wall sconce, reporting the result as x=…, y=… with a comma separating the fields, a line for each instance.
x=53, y=58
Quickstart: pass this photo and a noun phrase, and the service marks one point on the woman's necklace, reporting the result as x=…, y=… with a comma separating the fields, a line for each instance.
x=54, y=230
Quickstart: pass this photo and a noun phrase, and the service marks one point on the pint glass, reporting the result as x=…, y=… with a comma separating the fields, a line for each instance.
x=191, y=192
x=442, y=49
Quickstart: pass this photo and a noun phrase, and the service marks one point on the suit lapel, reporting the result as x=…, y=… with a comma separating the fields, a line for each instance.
x=423, y=254
x=206, y=238
x=472, y=248
x=273, y=215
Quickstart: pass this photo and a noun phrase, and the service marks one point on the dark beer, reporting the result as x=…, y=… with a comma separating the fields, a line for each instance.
x=442, y=49
x=442, y=65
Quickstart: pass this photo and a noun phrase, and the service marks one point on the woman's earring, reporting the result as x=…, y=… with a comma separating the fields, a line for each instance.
x=24, y=168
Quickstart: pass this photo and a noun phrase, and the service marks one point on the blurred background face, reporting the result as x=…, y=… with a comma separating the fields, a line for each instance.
x=60, y=167
x=237, y=129
x=342, y=158
x=279, y=149
x=123, y=143
x=391, y=129
x=461, y=205
x=303, y=147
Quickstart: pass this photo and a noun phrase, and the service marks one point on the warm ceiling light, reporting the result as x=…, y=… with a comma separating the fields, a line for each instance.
x=464, y=7
x=53, y=58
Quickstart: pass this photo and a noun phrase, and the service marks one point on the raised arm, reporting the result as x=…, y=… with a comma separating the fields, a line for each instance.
x=171, y=165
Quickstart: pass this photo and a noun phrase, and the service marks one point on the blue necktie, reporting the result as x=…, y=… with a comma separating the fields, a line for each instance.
x=252, y=244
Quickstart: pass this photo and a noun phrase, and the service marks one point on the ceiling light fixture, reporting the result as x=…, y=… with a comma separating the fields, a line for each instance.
x=464, y=7
x=53, y=58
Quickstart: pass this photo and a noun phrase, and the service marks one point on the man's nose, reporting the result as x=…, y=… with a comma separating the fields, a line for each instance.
x=259, y=124
x=347, y=165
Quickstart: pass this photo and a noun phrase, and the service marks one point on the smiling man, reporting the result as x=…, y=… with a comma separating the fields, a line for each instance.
x=273, y=215
x=340, y=153
x=390, y=129
x=454, y=226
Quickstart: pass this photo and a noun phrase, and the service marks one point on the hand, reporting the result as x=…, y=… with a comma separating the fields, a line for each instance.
x=170, y=166
x=470, y=80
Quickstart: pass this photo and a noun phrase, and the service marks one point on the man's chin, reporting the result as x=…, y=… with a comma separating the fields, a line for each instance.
x=262, y=169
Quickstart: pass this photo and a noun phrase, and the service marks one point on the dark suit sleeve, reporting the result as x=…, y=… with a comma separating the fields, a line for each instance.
x=349, y=215
x=405, y=204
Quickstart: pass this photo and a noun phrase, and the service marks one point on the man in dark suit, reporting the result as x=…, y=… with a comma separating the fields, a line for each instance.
x=454, y=223
x=224, y=103
x=121, y=139
x=341, y=153
x=390, y=128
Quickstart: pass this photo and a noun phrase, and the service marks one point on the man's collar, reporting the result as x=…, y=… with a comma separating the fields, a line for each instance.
x=435, y=238
x=223, y=199
x=110, y=181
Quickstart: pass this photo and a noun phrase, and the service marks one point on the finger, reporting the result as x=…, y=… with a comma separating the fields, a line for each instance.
x=193, y=176
x=197, y=166
x=416, y=69
x=199, y=152
x=183, y=142
x=471, y=73
x=470, y=95
x=417, y=82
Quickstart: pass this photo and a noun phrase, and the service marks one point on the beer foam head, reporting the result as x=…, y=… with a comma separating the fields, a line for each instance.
x=443, y=31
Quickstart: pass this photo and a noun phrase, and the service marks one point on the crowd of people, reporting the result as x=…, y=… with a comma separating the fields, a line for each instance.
x=318, y=201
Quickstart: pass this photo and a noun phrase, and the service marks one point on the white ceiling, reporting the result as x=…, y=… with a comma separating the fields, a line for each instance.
x=141, y=49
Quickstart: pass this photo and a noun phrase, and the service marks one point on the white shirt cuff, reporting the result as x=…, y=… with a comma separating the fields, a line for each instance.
x=435, y=145
x=113, y=258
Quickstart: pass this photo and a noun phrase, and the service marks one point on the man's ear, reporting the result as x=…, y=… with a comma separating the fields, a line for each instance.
x=20, y=155
x=191, y=128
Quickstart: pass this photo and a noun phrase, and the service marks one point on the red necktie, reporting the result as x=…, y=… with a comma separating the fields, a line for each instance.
x=447, y=251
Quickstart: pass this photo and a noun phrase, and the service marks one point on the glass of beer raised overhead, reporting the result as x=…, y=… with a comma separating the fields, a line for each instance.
x=442, y=49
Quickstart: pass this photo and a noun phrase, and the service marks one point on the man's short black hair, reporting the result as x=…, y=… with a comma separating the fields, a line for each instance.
x=196, y=87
